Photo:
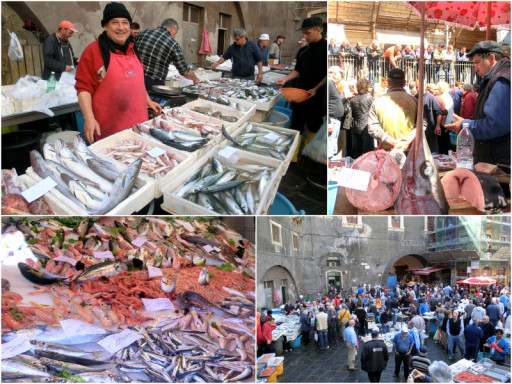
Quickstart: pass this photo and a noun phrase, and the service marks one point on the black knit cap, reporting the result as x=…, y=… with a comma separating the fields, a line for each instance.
x=114, y=10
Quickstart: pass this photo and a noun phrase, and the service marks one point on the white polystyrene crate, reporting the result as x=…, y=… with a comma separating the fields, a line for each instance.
x=134, y=202
x=225, y=110
x=179, y=205
x=100, y=146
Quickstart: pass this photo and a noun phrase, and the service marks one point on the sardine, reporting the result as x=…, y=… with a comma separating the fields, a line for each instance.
x=14, y=366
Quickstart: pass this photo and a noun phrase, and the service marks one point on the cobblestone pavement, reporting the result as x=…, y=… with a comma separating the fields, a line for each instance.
x=310, y=364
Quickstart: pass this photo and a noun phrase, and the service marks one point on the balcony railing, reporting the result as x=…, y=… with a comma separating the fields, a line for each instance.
x=355, y=68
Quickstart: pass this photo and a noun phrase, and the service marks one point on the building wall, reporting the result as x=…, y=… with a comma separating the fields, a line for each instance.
x=371, y=241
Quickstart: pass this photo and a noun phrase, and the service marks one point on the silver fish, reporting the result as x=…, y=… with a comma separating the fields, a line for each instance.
x=106, y=268
x=122, y=188
x=83, y=196
x=264, y=181
x=49, y=153
x=167, y=287
x=13, y=366
x=83, y=152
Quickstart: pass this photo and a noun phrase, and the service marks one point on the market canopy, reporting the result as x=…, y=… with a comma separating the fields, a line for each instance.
x=425, y=271
x=481, y=280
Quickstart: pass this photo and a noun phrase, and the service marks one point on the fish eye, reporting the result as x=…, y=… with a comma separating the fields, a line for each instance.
x=427, y=170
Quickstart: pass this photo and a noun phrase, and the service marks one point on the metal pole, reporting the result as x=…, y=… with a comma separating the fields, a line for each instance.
x=488, y=31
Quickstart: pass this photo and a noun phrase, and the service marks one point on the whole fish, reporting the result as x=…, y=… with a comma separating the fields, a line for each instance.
x=227, y=136
x=40, y=167
x=58, y=366
x=121, y=189
x=45, y=349
x=66, y=357
x=51, y=333
x=100, y=169
x=38, y=276
x=189, y=297
x=97, y=377
x=167, y=286
x=106, y=268
x=49, y=153
x=222, y=187
x=168, y=139
x=78, y=190
x=264, y=181
x=14, y=366
x=84, y=153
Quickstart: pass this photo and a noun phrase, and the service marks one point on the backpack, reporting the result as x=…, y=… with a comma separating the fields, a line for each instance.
x=348, y=120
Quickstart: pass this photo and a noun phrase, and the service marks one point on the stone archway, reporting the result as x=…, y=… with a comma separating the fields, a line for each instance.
x=277, y=278
x=408, y=261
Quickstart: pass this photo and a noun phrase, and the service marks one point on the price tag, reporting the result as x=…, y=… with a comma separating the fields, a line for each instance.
x=72, y=327
x=156, y=152
x=208, y=248
x=139, y=241
x=354, y=179
x=103, y=255
x=118, y=341
x=271, y=137
x=66, y=260
x=15, y=347
x=216, y=249
x=157, y=304
x=38, y=190
x=153, y=272
x=227, y=152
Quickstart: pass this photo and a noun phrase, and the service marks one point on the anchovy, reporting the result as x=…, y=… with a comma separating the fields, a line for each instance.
x=68, y=358
x=72, y=368
x=13, y=366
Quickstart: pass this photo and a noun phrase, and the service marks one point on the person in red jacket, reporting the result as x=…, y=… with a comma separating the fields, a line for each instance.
x=110, y=79
x=268, y=327
x=468, y=102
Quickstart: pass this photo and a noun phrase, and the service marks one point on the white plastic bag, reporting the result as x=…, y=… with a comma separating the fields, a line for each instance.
x=317, y=148
x=316, y=336
x=15, y=50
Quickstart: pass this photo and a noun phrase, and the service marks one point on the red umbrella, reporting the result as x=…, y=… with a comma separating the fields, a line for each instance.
x=205, y=44
x=481, y=280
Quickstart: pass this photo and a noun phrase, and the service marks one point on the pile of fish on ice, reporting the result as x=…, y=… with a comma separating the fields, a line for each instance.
x=207, y=273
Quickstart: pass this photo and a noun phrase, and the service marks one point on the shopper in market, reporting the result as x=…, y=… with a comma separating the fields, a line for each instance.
x=352, y=345
x=322, y=325
x=472, y=335
x=386, y=319
x=343, y=318
x=500, y=347
x=374, y=357
x=439, y=372
x=455, y=330
x=263, y=46
x=420, y=361
x=245, y=55
x=58, y=54
x=490, y=125
x=392, y=117
x=402, y=345
x=266, y=335
x=110, y=79
x=305, y=326
x=276, y=48
x=158, y=49
x=134, y=30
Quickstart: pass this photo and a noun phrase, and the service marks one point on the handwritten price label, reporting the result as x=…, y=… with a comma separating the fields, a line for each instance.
x=139, y=241
x=157, y=304
x=73, y=327
x=15, y=347
x=208, y=248
x=66, y=259
x=154, y=272
x=38, y=190
x=103, y=255
x=114, y=343
x=156, y=152
x=227, y=152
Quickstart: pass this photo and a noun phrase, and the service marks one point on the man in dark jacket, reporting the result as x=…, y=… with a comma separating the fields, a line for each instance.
x=263, y=46
x=374, y=52
x=57, y=52
x=374, y=357
x=490, y=125
x=472, y=334
x=305, y=326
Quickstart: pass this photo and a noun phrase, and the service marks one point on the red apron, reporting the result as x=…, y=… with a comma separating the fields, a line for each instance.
x=120, y=102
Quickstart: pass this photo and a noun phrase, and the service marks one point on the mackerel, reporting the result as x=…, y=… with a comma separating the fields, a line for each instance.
x=106, y=268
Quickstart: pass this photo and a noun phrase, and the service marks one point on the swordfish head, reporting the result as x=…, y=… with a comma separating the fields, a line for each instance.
x=422, y=192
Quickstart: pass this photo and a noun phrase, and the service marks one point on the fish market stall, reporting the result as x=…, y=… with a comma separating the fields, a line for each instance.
x=233, y=90
x=386, y=337
x=287, y=326
x=233, y=117
x=122, y=299
x=483, y=371
x=269, y=366
x=371, y=185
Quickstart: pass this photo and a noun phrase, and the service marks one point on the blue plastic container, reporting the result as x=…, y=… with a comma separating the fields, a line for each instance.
x=332, y=194
x=296, y=343
x=80, y=121
x=453, y=140
x=283, y=103
x=282, y=206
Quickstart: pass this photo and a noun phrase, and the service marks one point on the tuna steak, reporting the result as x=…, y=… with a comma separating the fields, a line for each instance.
x=481, y=190
x=384, y=185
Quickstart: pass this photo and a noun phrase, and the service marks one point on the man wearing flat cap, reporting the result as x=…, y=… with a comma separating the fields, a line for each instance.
x=57, y=52
x=110, y=79
x=490, y=125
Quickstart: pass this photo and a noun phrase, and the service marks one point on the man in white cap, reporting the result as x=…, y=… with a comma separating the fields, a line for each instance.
x=263, y=46
x=402, y=345
x=57, y=52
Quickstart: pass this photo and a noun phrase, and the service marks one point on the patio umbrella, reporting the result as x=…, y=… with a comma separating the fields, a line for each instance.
x=481, y=280
x=205, y=44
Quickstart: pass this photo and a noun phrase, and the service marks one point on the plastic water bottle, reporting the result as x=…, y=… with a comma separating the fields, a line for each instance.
x=52, y=82
x=465, y=144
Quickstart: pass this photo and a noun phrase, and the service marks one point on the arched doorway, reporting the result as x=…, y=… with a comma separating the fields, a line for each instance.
x=278, y=283
x=334, y=279
x=399, y=270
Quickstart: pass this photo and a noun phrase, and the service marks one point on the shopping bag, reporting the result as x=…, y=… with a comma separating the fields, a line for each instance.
x=437, y=335
x=316, y=336
x=15, y=52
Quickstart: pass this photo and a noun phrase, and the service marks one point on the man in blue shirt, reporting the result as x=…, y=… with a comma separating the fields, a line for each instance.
x=500, y=347
x=491, y=122
x=263, y=46
x=423, y=307
x=415, y=335
x=493, y=311
x=472, y=333
x=352, y=345
x=245, y=54
x=402, y=345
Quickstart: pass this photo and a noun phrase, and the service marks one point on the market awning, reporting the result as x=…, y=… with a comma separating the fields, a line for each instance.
x=449, y=255
x=399, y=37
x=427, y=271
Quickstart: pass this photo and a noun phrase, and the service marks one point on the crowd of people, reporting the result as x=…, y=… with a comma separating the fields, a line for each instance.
x=366, y=115
x=471, y=321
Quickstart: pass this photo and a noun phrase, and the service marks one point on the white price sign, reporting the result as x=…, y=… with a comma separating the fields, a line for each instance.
x=154, y=272
x=72, y=327
x=38, y=190
x=66, y=260
x=103, y=255
x=157, y=304
x=15, y=347
x=118, y=341
x=156, y=152
x=354, y=179
x=227, y=152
